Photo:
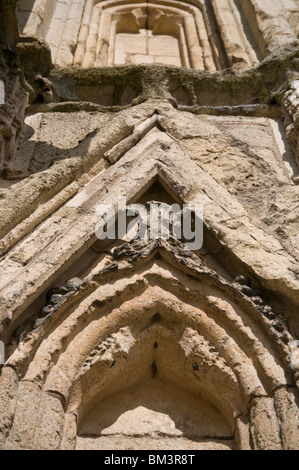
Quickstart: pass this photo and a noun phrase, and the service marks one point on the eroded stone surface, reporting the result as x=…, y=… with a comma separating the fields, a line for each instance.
x=136, y=443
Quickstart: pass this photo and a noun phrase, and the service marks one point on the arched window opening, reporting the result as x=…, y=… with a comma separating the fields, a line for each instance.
x=204, y=34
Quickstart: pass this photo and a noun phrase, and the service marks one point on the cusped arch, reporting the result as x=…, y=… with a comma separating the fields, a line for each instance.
x=155, y=311
x=157, y=363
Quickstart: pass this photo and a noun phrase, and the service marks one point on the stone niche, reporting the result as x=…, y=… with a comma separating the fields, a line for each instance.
x=124, y=33
x=142, y=36
x=206, y=35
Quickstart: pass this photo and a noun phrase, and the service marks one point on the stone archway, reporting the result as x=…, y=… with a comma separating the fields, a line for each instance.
x=163, y=325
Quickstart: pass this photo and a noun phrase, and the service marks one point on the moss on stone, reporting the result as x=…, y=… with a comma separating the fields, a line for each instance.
x=105, y=85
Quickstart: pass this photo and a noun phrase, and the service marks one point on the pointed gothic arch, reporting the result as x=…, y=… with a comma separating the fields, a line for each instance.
x=149, y=343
